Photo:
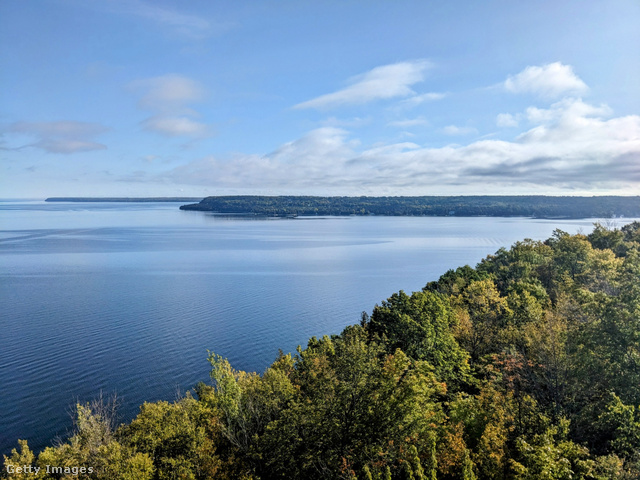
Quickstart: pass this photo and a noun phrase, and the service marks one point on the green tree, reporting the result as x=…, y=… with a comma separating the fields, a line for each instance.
x=603, y=237
x=422, y=326
x=488, y=314
x=21, y=463
x=619, y=427
x=431, y=462
x=177, y=438
x=94, y=447
x=467, y=467
x=355, y=404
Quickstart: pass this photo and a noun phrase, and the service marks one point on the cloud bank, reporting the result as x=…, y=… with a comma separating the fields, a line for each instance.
x=572, y=145
x=568, y=145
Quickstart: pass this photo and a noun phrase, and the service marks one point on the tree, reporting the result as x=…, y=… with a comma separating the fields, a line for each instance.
x=467, y=467
x=94, y=449
x=488, y=314
x=619, y=427
x=422, y=326
x=355, y=404
x=20, y=464
x=603, y=237
x=177, y=438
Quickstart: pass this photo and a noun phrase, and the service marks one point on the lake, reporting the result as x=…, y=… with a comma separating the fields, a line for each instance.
x=127, y=298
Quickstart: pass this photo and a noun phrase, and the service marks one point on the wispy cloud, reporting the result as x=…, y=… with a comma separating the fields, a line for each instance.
x=387, y=81
x=409, y=122
x=169, y=98
x=354, y=122
x=455, y=130
x=422, y=98
x=176, y=126
x=63, y=137
x=185, y=24
x=168, y=92
x=547, y=81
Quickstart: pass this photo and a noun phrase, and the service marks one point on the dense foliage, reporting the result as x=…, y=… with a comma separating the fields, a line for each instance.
x=463, y=206
x=526, y=367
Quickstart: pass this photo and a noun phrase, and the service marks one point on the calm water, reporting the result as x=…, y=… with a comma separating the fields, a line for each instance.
x=127, y=298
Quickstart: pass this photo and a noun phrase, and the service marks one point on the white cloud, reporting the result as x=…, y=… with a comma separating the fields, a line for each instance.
x=567, y=110
x=455, y=130
x=409, y=122
x=547, y=81
x=316, y=146
x=64, y=129
x=176, y=126
x=68, y=146
x=422, y=98
x=168, y=92
x=507, y=120
x=388, y=150
x=64, y=137
x=312, y=159
x=354, y=122
x=387, y=81
x=575, y=146
x=169, y=97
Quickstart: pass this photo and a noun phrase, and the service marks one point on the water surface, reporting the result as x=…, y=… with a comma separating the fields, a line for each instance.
x=128, y=298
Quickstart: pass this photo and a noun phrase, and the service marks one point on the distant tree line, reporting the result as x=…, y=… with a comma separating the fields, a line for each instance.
x=463, y=206
x=526, y=367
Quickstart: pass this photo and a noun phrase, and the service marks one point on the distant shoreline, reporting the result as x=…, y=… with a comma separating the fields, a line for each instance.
x=535, y=206
x=124, y=199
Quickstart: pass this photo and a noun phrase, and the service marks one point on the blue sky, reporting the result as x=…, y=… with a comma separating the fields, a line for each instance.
x=165, y=98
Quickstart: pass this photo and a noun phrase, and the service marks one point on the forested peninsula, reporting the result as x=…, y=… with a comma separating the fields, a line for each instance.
x=538, y=206
x=526, y=367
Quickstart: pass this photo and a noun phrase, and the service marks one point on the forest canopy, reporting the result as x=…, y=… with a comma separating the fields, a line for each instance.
x=540, y=206
x=524, y=367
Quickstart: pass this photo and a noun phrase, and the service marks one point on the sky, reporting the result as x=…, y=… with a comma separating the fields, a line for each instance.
x=289, y=97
